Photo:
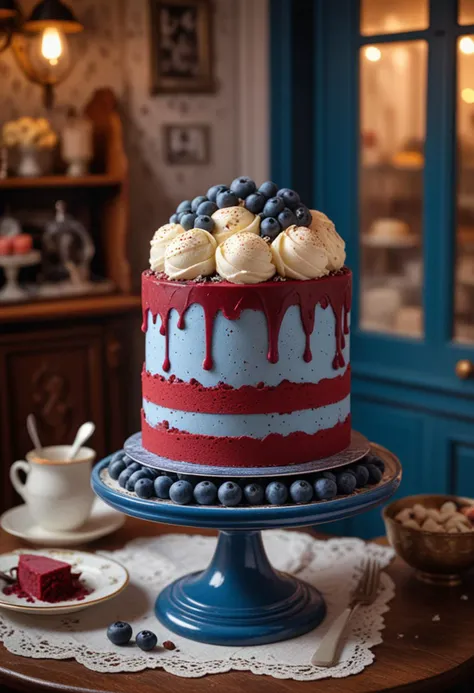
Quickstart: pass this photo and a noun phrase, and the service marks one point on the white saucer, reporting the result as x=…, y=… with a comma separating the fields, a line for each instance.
x=102, y=521
x=104, y=577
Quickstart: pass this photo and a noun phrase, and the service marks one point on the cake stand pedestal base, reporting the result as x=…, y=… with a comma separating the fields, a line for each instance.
x=240, y=599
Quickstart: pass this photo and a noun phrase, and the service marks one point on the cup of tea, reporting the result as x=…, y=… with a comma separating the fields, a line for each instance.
x=57, y=491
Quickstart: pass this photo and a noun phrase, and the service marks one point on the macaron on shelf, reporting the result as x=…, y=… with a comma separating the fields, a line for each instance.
x=21, y=244
x=133, y=479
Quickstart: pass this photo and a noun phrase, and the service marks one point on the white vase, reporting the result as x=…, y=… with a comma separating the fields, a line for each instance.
x=78, y=167
x=76, y=145
x=29, y=162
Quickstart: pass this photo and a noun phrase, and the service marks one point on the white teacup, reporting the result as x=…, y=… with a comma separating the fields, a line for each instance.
x=58, y=493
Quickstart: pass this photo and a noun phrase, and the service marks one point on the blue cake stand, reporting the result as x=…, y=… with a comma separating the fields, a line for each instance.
x=240, y=599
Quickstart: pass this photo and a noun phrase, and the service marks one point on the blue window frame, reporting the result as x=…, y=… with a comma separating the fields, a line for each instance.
x=332, y=167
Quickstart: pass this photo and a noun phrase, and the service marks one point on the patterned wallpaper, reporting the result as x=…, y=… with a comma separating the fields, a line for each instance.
x=98, y=62
x=114, y=51
x=156, y=187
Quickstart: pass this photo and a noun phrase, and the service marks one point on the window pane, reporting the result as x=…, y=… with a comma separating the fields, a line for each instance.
x=392, y=119
x=466, y=11
x=392, y=16
x=464, y=273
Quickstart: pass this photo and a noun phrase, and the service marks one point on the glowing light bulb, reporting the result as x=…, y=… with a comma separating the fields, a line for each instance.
x=373, y=54
x=467, y=95
x=52, y=45
x=466, y=45
x=50, y=56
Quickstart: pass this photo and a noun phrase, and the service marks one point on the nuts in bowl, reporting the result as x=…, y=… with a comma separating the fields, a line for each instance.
x=450, y=518
x=434, y=534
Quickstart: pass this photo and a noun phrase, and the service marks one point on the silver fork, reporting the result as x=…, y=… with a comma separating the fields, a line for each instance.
x=327, y=654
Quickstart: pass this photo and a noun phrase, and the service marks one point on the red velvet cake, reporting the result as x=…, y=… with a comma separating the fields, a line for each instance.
x=45, y=578
x=247, y=333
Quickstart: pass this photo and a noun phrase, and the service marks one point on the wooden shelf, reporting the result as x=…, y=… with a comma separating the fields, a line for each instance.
x=85, y=306
x=102, y=180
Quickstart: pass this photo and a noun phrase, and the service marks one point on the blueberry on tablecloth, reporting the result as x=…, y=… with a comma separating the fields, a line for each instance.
x=119, y=633
x=146, y=640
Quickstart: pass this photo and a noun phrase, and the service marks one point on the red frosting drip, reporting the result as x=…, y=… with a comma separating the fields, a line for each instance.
x=161, y=296
x=261, y=399
x=273, y=450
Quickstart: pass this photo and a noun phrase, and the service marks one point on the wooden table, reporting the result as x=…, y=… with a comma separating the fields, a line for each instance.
x=417, y=654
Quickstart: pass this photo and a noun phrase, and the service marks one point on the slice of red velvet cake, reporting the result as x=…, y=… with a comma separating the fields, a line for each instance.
x=45, y=578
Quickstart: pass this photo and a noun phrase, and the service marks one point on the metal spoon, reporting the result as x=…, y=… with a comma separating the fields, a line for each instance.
x=33, y=431
x=84, y=433
x=9, y=579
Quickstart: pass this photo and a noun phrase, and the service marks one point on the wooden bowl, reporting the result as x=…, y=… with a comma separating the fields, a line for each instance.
x=438, y=557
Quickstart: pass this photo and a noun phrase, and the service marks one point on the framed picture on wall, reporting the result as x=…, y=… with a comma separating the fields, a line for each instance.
x=187, y=144
x=181, y=46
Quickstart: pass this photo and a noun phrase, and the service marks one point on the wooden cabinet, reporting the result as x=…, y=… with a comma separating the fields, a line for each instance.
x=64, y=359
x=65, y=376
x=55, y=375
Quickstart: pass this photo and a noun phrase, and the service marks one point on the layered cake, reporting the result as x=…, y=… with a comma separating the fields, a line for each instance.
x=45, y=578
x=246, y=310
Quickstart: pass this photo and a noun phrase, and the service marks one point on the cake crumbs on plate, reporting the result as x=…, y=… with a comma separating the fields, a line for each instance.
x=436, y=618
x=78, y=595
x=400, y=635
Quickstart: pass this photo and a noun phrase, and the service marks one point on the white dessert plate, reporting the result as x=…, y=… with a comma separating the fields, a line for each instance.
x=103, y=520
x=104, y=577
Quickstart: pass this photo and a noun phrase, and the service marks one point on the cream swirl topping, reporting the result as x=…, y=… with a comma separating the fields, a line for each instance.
x=190, y=255
x=245, y=258
x=329, y=239
x=297, y=254
x=231, y=220
x=160, y=241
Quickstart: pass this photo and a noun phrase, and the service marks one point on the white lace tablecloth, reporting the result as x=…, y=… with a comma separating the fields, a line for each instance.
x=333, y=566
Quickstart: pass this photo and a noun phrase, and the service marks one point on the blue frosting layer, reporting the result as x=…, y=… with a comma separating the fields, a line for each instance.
x=239, y=349
x=254, y=425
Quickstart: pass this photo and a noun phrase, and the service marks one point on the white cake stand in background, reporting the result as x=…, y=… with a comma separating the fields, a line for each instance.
x=68, y=289
x=388, y=242
x=12, y=264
